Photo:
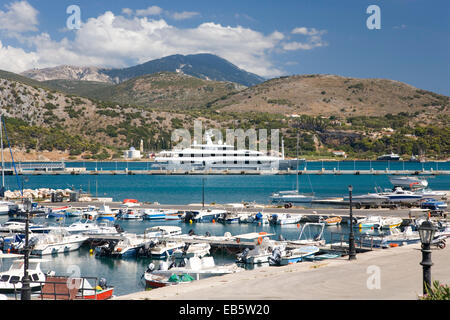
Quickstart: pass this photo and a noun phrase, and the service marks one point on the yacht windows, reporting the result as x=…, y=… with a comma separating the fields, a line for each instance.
x=4, y=278
x=35, y=277
x=14, y=279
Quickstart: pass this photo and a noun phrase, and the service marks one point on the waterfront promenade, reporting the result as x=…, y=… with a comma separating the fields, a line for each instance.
x=400, y=278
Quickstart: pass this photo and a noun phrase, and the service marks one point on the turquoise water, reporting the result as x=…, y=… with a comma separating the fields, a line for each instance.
x=218, y=189
x=126, y=274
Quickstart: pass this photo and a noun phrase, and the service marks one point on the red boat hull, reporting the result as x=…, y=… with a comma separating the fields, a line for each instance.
x=101, y=295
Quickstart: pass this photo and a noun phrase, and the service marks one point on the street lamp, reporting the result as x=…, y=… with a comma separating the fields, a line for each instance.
x=426, y=232
x=351, y=238
x=26, y=290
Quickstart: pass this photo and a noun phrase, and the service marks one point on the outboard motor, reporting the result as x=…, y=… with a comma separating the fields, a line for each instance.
x=150, y=268
x=274, y=218
x=118, y=228
x=207, y=234
x=281, y=238
x=275, y=258
x=183, y=263
x=191, y=232
x=242, y=257
x=189, y=215
x=102, y=283
x=32, y=242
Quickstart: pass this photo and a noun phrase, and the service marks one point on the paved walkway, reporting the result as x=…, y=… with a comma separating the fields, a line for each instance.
x=400, y=277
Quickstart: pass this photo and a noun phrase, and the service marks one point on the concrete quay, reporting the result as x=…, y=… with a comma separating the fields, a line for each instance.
x=385, y=274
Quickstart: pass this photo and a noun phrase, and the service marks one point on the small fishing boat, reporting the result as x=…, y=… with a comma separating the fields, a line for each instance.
x=290, y=256
x=433, y=204
x=11, y=280
x=285, y=218
x=197, y=268
x=105, y=213
x=192, y=250
x=370, y=222
x=131, y=214
x=322, y=256
x=390, y=222
x=71, y=288
x=331, y=221
x=58, y=212
x=159, y=281
x=153, y=214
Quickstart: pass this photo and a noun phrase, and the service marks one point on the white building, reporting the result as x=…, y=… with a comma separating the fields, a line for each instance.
x=132, y=153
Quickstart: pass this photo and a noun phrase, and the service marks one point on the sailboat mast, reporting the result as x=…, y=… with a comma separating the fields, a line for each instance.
x=1, y=148
x=297, y=162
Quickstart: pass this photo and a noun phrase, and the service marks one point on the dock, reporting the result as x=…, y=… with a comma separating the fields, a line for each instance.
x=77, y=171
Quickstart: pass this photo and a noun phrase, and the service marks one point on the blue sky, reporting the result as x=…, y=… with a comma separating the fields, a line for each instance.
x=412, y=45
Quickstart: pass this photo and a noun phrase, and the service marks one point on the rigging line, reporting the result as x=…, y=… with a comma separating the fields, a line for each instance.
x=12, y=157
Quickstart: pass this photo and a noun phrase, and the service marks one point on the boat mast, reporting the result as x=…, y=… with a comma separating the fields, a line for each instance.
x=1, y=148
x=297, y=163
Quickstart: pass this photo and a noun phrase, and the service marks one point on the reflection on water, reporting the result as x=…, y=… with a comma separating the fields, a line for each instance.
x=126, y=274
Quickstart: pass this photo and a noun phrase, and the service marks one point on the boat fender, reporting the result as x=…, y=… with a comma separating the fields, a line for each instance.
x=238, y=240
x=260, y=240
x=191, y=232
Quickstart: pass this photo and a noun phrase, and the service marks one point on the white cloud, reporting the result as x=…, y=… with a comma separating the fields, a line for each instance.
x=19, y=17
x=111, y=40
x=307, y=32
x=150, y=11
x=184, y=15
x=16, y=59
x=314, y=39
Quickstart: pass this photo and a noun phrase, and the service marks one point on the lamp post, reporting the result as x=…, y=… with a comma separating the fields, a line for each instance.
x=351, y=238
x=26, y=289
x=426, y=232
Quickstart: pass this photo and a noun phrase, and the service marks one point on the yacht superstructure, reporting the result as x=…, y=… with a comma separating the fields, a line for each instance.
x=217, y=156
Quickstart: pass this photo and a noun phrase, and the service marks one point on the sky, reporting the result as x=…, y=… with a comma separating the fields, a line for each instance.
x=270, y=38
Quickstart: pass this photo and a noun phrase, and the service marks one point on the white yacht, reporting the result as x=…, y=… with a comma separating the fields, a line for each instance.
x=11, y=280
x=217, y=156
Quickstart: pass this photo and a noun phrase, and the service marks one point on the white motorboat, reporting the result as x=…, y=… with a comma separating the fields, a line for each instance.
x=56, y=241
x=83, y=225
x=162, y=231
x=285, y=218
x=401, y=196
x=408, y=182
x=11, y=280
x=198, y=268
x=370, y=199
x=291, y=256
x=162, y=249
x=192, y=250
x=394, y=237
x=311, y=234
x=4, y=207
x=127, y=246
x=389, y=157
x=260, y=253
x=428, y=193
x=17, y=225
x=205, y=215
x=291, y=196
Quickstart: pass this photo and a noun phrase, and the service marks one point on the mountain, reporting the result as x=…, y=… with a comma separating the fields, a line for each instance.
x=203, y=66
x=331, y=95
x=67, y=73
x=165, y=90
